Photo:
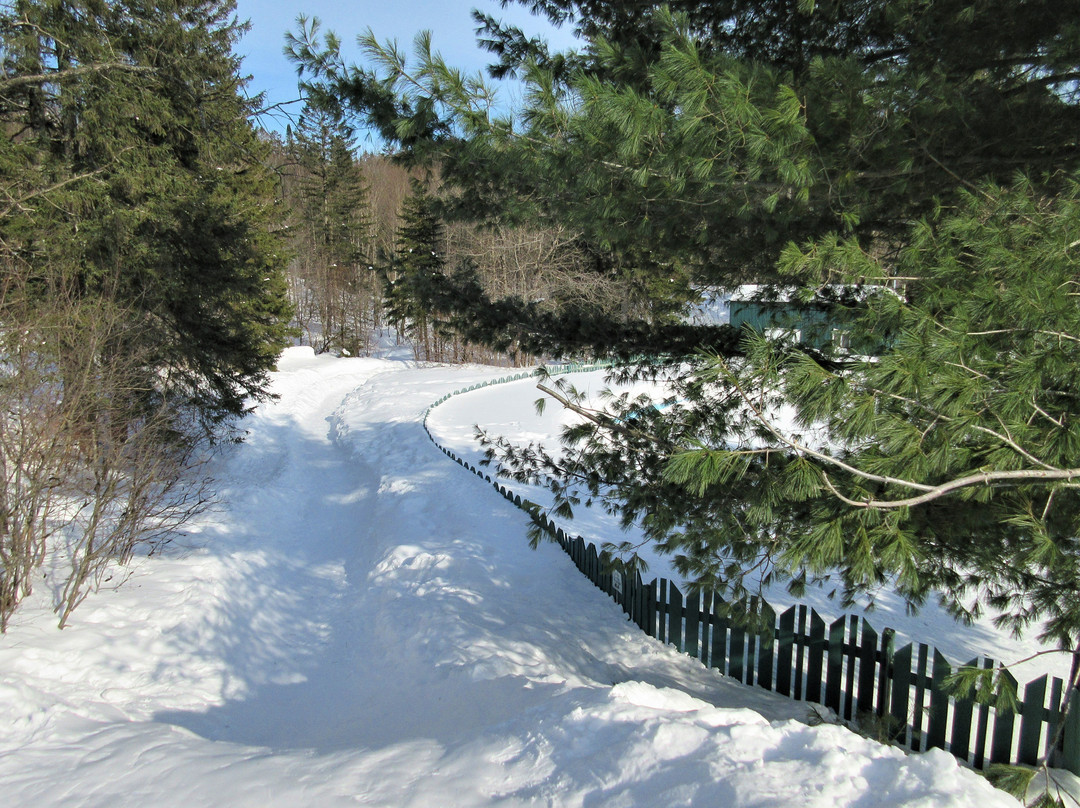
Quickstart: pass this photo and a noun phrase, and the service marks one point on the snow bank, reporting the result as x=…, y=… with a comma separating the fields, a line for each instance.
x=361, y=622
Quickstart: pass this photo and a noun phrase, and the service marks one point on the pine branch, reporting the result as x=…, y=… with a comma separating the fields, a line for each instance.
x=938, y=491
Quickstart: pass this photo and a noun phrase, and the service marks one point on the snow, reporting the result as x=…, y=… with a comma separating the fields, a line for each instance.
x=509, y=411
x=361, y=622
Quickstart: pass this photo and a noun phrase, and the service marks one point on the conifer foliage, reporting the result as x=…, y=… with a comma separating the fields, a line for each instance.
x=143, y=297
x=334, y=285
x=416, y=265
x=925, y=149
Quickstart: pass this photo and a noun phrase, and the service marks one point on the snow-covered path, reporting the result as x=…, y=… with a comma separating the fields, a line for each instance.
x=363, y=623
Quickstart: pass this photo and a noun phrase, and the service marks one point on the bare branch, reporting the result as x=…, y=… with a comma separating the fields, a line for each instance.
x=14, y=82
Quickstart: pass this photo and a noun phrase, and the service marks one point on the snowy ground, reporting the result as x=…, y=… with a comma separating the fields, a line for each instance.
x=509, y=410
x=362, y=623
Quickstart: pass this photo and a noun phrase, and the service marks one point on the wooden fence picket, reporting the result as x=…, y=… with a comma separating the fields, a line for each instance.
x=785, y=646
x=719, y=629
x=982, y=712
x=1070, y=742
x=963, y=710
x=815, y=654
x=868, y=661
x=1004, y=721
x=766, y=645
x=901, y=691
x=661, y=611
x=834, y=665
x=675, y=617
x=939, y=702
x=737, y=651
x=692, y=618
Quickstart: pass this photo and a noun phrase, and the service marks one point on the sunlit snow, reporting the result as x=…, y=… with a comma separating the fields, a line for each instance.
x=361, y=622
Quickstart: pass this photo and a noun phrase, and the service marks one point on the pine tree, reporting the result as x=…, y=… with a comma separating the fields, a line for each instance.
x=417, y=263
x=925, y=147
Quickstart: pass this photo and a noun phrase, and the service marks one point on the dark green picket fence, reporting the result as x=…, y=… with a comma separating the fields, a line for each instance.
x=847, y=666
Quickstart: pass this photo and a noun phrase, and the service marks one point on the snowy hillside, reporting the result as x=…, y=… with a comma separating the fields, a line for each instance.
x=361, y=622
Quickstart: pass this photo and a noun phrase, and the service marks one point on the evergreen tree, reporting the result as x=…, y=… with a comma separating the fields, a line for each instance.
x=417, y=263
x=136, y=176
x=142, y=295
x=925, y=147
x=334, y=243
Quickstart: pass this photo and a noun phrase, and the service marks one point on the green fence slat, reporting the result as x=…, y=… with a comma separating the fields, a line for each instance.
x=884, y=688
x=649, y=612
x=868, y=641
x=737, y=650
x=750, y=664
x=939, y=702
x=592, y=564
x=1004, y=723
x=631, y=596
x=815, y=654
x=851, y=654
x=960, y=741
x=834, y=664
x=901, y=691
x=675, y=616
x=707, y=596
x=1070, y=740
x=785, y=645
x=766, y=640
x=1052, y=749
x=981, y=725
x=921, y=681
x=1031, y=720
x=801, y=640
x=579, y=553
x=662, y=610
x=692, y=610
x=718, y=658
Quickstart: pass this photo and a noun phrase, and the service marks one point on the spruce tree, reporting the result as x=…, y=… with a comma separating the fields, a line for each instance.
x=137, y=177
x=143, y=297
x=416, y=265
x=333, y=245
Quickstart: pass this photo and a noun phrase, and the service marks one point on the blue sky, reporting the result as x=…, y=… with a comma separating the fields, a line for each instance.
x=450, y=22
